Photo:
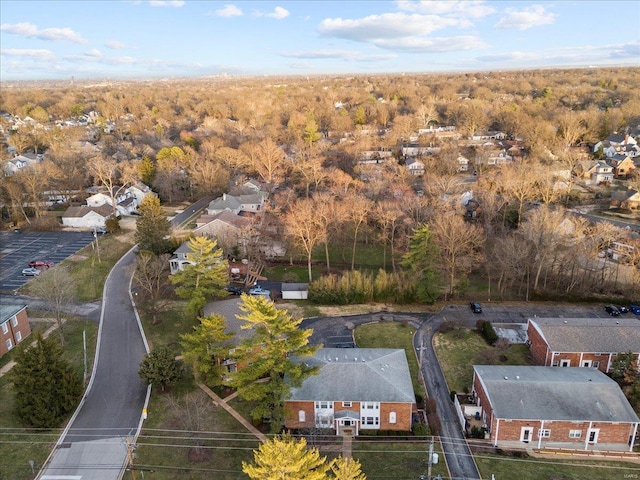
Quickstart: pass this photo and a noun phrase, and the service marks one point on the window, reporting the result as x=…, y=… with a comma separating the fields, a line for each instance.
x=369, y=420
x=301, y=416
x=9, y=344
x=392, y=417
x=324, y=405
x=575, y=433
x=596, y=364
x=14, y=321
x=5, y=328
x=346, y=404
x=565, y=363
x=544, y=433
x=18, y=336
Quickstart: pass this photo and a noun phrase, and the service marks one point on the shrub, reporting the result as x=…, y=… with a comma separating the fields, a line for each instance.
x=420, y=430
x=487, y=331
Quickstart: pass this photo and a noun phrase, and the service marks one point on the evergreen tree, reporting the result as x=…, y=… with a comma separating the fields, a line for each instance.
x=267, y=355
x=206, y=276
x=152, y=226
x=347, y=469
x=160, y=368
x=46, y=388
x=206, y=348
x=284, y=458
x=421, y=261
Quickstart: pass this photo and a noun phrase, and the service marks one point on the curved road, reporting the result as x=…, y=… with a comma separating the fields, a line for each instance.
x=93, y=447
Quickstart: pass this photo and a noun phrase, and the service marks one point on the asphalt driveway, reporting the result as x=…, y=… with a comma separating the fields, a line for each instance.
x=18, y=249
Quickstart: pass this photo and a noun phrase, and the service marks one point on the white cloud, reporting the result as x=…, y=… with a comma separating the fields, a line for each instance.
x=278, y=13
x=26, y=29
x=467, y=8
x=115, y=45
x=166, y=3
x=229, y=11
x=431, y=45
x=385, y=26
x=37, y=54
x=94, y=52
x=533, y=16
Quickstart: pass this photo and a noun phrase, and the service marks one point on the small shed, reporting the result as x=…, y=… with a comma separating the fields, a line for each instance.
x=295, y=291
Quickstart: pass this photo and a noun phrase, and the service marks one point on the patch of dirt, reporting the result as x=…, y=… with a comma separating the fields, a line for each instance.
x=77, y=258
x=199, y=455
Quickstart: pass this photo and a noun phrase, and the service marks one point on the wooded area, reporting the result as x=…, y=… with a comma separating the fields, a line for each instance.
x=334, y=154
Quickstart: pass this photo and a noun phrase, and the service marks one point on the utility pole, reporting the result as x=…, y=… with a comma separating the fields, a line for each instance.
x=430, y=461
x=130, y=448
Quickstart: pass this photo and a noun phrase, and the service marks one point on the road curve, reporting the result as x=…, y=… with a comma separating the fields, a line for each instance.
x=94, y=444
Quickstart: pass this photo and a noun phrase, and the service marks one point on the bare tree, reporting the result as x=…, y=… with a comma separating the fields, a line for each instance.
x=58, y=289
x=150, y=276
x=113, y=176
x=302, y=226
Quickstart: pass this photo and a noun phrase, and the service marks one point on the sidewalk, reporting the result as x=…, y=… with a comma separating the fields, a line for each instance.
x=5, y=369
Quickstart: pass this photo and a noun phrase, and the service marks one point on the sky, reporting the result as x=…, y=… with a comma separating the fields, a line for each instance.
x=55, y=40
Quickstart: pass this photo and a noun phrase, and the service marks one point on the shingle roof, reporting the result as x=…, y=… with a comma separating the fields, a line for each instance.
x=596, y=335
x=357, y=374
x=103, y=210
x=8, y=311
x=554, y=393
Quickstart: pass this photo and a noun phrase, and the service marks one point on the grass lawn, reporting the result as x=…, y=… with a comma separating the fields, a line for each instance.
x=460, y=348
x=18, y=442
x=391, y=335
x=173, y=323
x=90, y=271
x=504, y=467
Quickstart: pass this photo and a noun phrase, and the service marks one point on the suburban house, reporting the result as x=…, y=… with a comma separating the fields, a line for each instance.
x=236, y=203
x=415, y=166
x=546, y=407
x=14, y=326
x=582, y=342
x=228, y=228
x=127, y=200
x=625, y=199
x=86, y=217
x=463, y=163
x=599, y=172
x=180, y=259
x=355, y=389
x=622, y=165
x=618, y=143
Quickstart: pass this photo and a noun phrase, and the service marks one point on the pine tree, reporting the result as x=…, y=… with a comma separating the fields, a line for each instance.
x=206, y=348
x=284, y=458
x=347, y=469
x=267, y=355
x=160, y=368
x=206, y=276
x=152, y=226
x=421, y=261
x=46, y=386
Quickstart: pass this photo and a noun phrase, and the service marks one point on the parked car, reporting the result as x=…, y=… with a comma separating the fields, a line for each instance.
x=233, y=290
x=623, y=309
x=635, y=309
x=258, y=290
x=41, y=263
x=612, y=310
x=475, y=307
x=30, y=272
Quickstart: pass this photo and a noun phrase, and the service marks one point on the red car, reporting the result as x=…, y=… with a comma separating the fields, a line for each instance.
x=41, y=264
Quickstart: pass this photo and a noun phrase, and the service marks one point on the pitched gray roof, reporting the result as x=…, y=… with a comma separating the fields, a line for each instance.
x=103, y=210
x=8, y=311
x=595, y=335
x=357, y=374
x=554, y=393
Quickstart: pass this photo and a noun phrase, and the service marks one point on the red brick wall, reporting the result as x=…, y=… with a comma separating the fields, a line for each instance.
x=403, y=416
x=291, y=410
x=23, y=327
x=537, y=346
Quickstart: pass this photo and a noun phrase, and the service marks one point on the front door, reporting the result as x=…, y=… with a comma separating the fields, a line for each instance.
x=592, y=435
x=525, y=434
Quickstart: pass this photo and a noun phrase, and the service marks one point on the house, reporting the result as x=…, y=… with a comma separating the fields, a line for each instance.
x=582, y=342
x=86, y=217
x=125, y=202
x=138, y=192
x=622, y=165
x=414, y=166
x=20, y=161
x=229, y=229
x=599, y=172
x=180, y=259
x=625, y=199
x=463, y=163
x=14, y=326
x=618, y=143
x=355, y=389
x=547, y=407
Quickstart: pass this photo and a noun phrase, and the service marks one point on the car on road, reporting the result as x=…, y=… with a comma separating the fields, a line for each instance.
x=475, y=307
x=41, y=263
x=635, y=309
x=233, y=290
x=612, y=310
x=30, y=272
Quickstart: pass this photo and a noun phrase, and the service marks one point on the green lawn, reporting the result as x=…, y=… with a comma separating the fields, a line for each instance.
x=388, y=459
x=461, y=348
x=18, y=442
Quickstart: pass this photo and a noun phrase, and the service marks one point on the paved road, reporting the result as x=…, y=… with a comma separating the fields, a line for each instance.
x=94, y=445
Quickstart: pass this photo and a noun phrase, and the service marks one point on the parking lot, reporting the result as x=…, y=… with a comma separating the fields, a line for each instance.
x=18, y=249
